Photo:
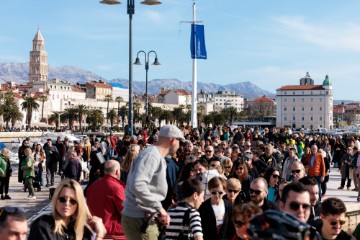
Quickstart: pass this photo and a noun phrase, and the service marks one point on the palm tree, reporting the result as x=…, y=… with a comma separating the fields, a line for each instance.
x=122, y=114
x=16, y=116
x=108, y=99
x=137, y=106
x=71, y=115
x=111, y=116
x=43, y=99
x=81, y=111
x=54, y=118
x=166, y=115
x=7, y=105
x=178, y=114
x=119, y=100
x=156, y=112
x=95, y=118
x=29, y=105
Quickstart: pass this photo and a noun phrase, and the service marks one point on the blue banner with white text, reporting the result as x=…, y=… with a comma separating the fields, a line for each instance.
x=197, y=42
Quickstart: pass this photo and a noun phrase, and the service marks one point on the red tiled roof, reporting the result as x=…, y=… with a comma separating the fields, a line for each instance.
x=99, y=85
x=263, y=99
x=353, y=103
x=178, y=91
x=76, y=89
x=301, y=87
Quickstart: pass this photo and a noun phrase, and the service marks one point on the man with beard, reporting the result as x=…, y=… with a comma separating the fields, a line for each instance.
x=258, y=194
x=146, y=187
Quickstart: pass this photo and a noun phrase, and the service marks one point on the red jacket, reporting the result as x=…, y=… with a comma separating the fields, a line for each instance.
x=104, y=199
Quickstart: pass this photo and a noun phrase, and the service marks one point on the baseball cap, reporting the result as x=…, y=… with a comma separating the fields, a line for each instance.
x=171, y=131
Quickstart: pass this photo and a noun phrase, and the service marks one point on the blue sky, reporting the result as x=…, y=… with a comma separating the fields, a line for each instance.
x=268, y=42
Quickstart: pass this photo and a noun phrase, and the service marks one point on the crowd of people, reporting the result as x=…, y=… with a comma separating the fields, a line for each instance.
x=183, y=183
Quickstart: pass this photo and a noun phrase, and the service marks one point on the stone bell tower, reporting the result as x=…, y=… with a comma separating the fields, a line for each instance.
x=38, y=66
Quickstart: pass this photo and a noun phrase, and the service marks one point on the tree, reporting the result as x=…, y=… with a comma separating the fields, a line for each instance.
x=7, y=106
x=118, y=100
x=137, y=106
x=81, y=111
x=108, y=99
x=16, y=116
x=71, y=115
x=29, y=105
x=178, y=114
x=122, y=114
x=111, y=116
x=166, y=115
x=43, y=99
x=95, y=118
x=229, y=113
x=55, y=118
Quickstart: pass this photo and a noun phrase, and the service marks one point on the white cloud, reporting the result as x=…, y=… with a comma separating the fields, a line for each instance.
x=345, y=36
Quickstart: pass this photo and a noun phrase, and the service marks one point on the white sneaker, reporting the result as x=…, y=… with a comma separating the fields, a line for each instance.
x=31, y=197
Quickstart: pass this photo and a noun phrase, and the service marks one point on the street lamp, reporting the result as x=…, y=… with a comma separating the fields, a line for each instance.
x=156, y=63
x=130, y=12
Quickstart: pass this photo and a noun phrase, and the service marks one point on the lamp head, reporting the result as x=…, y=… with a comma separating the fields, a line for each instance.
x=110, y=2
x=137, y=61
x=150, y=2
x=156, y=62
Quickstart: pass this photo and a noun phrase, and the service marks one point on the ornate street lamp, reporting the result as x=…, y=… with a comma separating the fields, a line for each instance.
x=156, y=63
x=130, y=12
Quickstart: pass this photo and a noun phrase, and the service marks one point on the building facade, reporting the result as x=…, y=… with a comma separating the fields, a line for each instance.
x=176, y=96
x=38, y=67
x=222, y=99
x=98, y=90
x=307, y=105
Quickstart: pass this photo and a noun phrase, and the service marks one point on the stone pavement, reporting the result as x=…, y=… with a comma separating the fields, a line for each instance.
x=18, y=196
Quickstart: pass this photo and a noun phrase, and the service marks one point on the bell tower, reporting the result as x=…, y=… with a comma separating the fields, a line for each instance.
x=38, y=67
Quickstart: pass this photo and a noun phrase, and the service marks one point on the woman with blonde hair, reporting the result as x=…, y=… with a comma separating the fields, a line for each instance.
x=126, y=163
x=70, y=217
x=228, y=164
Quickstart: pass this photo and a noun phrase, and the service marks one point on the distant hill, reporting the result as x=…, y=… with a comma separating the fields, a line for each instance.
x=18, y=72
x=246, y=89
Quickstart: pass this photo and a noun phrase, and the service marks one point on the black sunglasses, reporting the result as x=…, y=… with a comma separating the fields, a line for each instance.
x=257, y=192
x=295, y=206
x=8, y=210
x=341, y=222
x=239, y=224
x=276, y=176
x=214, y=193
x=64, y=200
x=296, y=171
x=232, y=191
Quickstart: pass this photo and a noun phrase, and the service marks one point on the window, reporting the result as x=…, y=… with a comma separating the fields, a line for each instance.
x=302, y=108
x=320, y=118
x=284, y=109
x=302, y=118
x=293, y=93
x=293, y=118
x=320, y=108
x=285, y=118
x=311, y=108
x=294, y=109
x=285, y=100
x=311, y=118
x=285, y=93
x=293, y=99
x=327, y=92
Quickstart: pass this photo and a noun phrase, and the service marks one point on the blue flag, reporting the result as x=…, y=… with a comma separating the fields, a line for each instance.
x=197, y=42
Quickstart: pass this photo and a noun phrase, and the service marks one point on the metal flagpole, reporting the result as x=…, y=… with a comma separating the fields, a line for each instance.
x=194, y=79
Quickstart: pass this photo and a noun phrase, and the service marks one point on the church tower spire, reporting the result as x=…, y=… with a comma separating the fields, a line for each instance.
x=38, y=67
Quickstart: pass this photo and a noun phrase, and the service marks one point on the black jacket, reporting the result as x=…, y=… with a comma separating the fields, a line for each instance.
x=208, y=222
x=342, y=235
x=43, y=229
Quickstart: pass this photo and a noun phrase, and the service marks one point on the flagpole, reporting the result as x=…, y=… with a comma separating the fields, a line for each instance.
x=194, y=80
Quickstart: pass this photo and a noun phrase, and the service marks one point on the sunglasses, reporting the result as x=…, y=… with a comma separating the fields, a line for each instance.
x=227, y=167
x=257, y=192
x=240, y=168
x=296, y=171
x=215, y=193
x=341, y=222
x=213, y=165
x=295, y=206
x=208, y=151
x=9, y=210
x=64, y=200
x=232, y=191
x=276, y=176
x=239, y=224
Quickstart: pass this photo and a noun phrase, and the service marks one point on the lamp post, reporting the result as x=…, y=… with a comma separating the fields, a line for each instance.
x=130, y=12
x=156, y=63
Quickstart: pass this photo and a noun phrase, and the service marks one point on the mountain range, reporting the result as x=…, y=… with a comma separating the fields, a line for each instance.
x=18, y=72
